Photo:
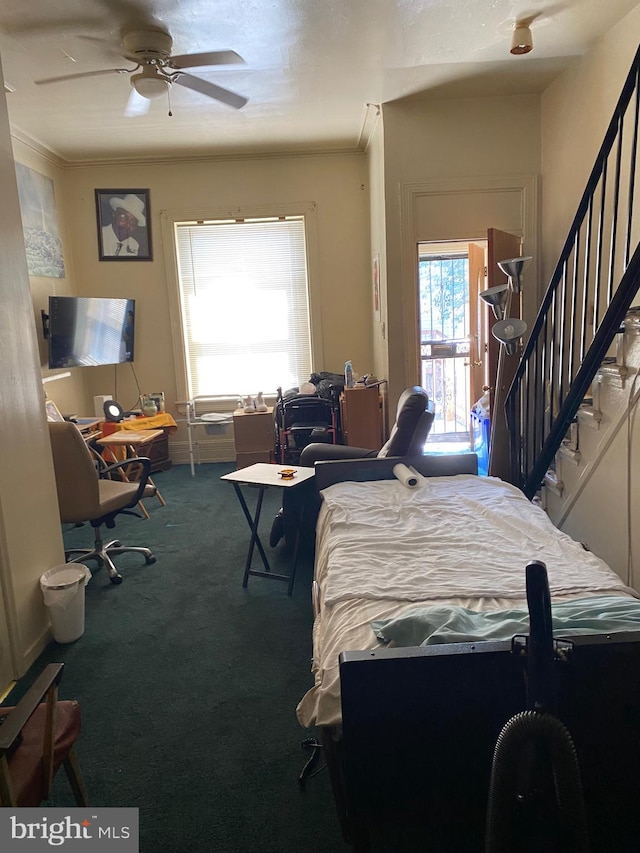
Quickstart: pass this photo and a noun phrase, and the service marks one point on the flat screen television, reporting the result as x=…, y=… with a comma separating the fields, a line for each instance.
x=90, y=331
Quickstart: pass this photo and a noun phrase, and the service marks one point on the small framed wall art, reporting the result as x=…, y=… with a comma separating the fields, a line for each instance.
x=124, y=232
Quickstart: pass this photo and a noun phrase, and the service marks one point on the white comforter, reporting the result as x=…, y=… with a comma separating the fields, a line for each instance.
x=447, y=537
x=382, y=547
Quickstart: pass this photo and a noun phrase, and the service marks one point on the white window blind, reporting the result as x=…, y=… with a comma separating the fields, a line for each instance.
x=244, y=305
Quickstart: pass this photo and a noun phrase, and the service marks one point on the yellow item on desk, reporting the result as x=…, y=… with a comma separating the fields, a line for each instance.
x=159, y=421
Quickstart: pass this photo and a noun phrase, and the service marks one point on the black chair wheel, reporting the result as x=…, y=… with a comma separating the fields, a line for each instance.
x=115, y=579
x=149, y=560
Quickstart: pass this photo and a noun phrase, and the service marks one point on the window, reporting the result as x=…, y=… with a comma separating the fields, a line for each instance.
x=243, y=304
x=444, y=296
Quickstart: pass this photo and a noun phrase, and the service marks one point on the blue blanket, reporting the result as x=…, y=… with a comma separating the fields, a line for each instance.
x=424, y=626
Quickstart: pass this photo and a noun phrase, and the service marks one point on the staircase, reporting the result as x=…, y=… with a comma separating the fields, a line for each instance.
x=590, y=292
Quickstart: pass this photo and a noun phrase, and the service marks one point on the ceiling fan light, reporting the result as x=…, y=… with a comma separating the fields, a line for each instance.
x=150, y=85
x=522, y=40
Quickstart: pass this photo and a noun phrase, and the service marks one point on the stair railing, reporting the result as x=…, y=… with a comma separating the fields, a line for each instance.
x=591, y=289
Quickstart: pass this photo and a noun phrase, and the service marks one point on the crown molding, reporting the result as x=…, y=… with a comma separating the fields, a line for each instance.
x=174, y=159
x=37, y=147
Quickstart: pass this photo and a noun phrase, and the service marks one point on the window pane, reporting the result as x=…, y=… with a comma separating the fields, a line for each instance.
x=245, y=306
x=444, y=296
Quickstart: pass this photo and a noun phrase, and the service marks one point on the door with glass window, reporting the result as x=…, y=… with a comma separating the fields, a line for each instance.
x=449, y=342
x=459, y=356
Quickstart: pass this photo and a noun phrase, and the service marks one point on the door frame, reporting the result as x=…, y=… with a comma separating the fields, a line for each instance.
x=527, y=228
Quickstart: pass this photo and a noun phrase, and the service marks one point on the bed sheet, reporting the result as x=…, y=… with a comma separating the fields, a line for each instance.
x=463, y=540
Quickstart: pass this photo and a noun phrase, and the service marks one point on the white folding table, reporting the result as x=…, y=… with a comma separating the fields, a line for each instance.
x=265, y=475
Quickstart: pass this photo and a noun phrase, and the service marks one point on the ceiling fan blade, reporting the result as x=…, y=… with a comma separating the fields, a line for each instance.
x=81, y=74
x=211, y=90
x=136, y=105
x=214, y=57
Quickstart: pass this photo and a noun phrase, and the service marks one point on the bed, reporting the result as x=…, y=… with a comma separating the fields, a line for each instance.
x=417, y=595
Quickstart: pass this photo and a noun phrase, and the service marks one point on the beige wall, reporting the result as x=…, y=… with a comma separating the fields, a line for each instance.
x=455, y=144
x=337, y=184
x=30, y=538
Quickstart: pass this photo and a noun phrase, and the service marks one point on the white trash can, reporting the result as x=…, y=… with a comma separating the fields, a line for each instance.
x=63, y=591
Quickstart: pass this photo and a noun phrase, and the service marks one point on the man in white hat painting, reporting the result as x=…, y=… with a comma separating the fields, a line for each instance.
x=128, y=214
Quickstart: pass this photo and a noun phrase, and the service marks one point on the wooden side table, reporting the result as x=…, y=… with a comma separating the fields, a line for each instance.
x=130, y=442
x=254, y=437
x=361, y=414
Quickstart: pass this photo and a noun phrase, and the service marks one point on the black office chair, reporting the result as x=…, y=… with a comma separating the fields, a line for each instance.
x=414, y=418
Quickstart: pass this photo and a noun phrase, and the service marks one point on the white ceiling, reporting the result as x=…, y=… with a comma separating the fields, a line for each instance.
x=311, y=66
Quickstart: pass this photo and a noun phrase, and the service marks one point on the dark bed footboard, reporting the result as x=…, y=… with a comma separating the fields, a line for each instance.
x=420, y=725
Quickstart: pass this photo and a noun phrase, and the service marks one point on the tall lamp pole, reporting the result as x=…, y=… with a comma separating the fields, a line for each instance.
x=509, y=331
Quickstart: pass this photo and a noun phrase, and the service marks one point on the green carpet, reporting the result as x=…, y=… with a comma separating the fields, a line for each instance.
x=188, y=683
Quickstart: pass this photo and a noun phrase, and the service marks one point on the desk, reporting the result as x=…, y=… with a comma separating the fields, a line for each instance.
x=158, y=452
x=89, y=427
x=130, y=442
x=263, y=475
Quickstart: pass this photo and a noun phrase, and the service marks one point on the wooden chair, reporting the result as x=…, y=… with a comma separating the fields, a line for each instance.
x=36, y=737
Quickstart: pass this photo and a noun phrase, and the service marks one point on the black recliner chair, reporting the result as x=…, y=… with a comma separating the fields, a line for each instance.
x=414, y=418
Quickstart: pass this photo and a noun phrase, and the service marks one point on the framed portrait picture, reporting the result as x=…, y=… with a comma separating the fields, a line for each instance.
x=124, y=229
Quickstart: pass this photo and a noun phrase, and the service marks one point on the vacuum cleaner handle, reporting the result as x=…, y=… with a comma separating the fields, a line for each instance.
x=540, y=646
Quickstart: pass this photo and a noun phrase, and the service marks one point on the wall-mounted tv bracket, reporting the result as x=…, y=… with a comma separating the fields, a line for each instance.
x=45, y=323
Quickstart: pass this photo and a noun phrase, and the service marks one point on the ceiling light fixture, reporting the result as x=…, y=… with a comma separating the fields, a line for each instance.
x=150, y=83
x=522, y=40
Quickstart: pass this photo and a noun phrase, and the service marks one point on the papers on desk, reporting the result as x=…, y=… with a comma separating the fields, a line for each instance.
x=86, y=425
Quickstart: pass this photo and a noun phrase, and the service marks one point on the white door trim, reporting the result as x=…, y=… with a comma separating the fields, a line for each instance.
x=526, y=185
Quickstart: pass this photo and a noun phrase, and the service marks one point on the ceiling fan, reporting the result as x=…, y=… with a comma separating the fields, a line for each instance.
x=156, y=70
